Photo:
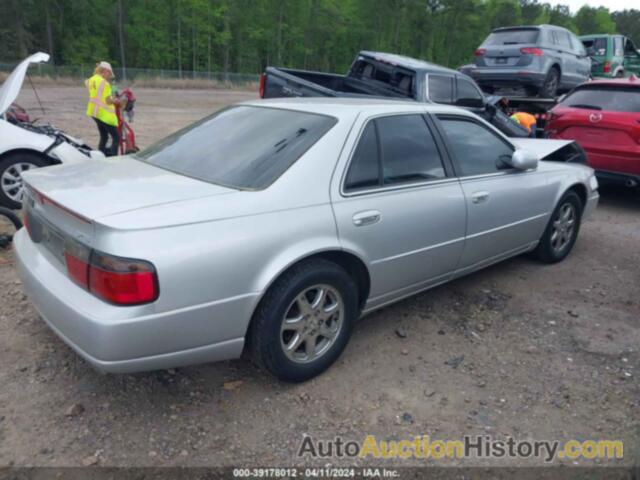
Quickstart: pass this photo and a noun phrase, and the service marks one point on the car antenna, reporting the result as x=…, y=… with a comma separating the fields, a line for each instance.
x=36, y=92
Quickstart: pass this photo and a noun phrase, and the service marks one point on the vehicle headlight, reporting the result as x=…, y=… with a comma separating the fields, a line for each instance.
x=593, y=183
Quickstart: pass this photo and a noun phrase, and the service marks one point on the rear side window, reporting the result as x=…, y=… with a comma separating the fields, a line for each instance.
x=561, y=39
x=240, y=147
x=618, y=47
x=394, y=150
x=513, y=37
x=607, y=99
x=599, y=45
x=440, y=88
x=476, y=149
x=364, y=171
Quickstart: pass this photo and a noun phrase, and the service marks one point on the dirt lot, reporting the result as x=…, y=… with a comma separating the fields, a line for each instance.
x=520, y=349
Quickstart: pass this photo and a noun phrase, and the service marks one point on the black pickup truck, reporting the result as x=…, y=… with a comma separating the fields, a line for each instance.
x=388, y=75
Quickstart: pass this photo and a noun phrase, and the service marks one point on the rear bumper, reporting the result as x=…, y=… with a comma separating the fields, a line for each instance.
x=115, y=344
x=507, y=76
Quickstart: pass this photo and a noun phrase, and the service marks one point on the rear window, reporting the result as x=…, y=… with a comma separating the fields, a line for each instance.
x=240, y=147
x=599, y=45
x=602, y=98
x=512, y=37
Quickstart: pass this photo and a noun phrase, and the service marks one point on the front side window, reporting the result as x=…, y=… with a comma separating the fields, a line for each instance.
x=477, y=150
x=467, y=90
x=440, y=88
x=394, y=150
x=241, y=147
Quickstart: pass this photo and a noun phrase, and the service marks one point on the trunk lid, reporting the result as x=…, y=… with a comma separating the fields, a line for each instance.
x=96, y=189
x=502, y=48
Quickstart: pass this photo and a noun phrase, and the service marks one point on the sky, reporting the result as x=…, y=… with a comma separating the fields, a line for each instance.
x=612, y=5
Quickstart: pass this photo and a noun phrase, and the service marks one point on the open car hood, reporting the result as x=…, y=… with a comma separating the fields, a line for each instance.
x=541, y=147
x=11, y=87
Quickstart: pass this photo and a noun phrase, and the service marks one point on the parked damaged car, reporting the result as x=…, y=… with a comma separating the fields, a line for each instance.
x=273, y=225
x=26, y=145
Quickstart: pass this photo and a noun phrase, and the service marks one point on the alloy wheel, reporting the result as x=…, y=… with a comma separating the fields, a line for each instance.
x=11, y=180
x=312, y=323
x=563, y=227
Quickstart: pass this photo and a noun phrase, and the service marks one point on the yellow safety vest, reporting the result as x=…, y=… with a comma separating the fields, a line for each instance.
x=99, y=91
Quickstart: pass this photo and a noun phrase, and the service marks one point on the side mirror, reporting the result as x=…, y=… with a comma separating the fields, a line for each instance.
x=523, y=160
x=470, y=102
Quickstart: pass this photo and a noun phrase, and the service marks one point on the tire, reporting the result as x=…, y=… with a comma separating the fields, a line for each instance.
x=286, y=317
x=557, y=242
x=11, y=216
x=551, y=83
x=11, y=167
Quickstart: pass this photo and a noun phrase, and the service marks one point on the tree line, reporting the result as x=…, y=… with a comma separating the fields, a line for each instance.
x=246, y=35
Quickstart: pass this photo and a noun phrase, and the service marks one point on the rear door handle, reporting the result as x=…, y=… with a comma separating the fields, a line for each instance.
x=369, y=217
x=480, y=197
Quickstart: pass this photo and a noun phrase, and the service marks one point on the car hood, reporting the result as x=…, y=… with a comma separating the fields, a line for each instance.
x=11, y=87
x=541, y=147
x=98, y=188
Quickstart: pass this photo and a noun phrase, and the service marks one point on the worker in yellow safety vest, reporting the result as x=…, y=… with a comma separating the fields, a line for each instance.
x=101, y=108
x=527, y=120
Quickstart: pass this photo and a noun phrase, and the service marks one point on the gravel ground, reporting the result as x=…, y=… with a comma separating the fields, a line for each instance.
x=520, y=349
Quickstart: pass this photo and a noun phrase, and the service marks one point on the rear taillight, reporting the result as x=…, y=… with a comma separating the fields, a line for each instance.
x=262, y=80
x=531, y=51
x=607, y=67
x=121, y=281
x=480, y=52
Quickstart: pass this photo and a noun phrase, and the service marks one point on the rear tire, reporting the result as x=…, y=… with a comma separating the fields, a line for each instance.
x=550, y=86
x=562, y=230
x=11, y=168
x=304, y=322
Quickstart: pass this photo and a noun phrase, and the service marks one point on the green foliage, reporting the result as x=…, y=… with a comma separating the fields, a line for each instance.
x=594, y=20
x=247, y=35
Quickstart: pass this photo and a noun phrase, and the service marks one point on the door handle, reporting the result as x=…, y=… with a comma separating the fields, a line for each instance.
x=480, y=197
x=369, y=217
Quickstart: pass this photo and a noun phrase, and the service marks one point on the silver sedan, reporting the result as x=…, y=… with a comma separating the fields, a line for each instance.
x=274, y=225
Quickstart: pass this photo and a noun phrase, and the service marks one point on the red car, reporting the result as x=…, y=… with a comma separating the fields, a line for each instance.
x=603, y=116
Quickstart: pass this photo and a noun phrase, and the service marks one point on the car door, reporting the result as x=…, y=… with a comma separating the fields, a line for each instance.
x=631, y=58
x=399, y=207
x=507, y=209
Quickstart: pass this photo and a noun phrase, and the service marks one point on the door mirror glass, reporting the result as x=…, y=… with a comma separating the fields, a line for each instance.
x=523, y=160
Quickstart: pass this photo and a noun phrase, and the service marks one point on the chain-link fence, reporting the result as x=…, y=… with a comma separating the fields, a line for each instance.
x=144, y=76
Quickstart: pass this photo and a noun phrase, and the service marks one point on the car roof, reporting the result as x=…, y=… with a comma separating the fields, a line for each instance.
x=346, y=107
x=408, y=62
x=599, y=35
x=631, y=81
x=528, y=27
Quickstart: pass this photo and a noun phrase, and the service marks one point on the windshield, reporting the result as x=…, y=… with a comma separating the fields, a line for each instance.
x=512, y=37
x=240, y=147
x=602, y=98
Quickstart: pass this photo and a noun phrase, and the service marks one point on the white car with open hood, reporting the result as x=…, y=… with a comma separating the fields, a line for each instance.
x=25, y=145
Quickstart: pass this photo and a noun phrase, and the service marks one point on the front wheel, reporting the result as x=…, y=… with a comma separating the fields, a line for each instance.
x=11, y=169
x=304, y=322
x=562, y=231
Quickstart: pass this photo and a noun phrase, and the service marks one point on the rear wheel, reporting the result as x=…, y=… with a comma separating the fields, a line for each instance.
x=550, y=86
x=11, y=169
x=304, y=322
x=562, y=231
